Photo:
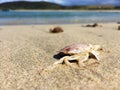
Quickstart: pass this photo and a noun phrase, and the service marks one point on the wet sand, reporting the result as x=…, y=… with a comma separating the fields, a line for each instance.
x=28, y=49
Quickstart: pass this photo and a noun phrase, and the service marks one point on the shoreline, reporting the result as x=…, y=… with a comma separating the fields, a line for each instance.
x=59, y=24
x=69, y=10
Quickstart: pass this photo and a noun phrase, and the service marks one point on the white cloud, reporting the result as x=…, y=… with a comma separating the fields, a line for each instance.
x=56, y=1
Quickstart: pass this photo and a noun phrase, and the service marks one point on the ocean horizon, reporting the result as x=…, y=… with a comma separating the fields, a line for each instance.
x=57, y=17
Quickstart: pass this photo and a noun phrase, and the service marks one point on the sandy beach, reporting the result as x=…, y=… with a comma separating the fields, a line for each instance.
x=28, y=49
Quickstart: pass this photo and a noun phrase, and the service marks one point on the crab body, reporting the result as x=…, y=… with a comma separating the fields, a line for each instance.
x=79, y=52
x=75, y=49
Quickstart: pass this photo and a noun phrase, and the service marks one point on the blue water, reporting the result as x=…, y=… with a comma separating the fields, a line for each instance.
x=56, y=17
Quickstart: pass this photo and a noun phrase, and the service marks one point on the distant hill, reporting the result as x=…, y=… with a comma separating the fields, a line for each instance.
x=29, y=5
x=25, y=5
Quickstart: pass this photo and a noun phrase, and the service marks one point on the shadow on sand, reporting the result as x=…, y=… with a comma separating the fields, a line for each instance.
x=60, y=55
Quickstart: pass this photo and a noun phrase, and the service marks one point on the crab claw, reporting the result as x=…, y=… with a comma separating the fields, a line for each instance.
x=95, y=54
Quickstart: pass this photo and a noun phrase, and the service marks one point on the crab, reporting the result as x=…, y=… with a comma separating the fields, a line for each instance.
x=80, y=53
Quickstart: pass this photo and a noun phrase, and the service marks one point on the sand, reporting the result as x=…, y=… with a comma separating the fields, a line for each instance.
x=25, y=50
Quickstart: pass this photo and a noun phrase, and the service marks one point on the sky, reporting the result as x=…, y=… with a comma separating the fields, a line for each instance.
x=75, y=2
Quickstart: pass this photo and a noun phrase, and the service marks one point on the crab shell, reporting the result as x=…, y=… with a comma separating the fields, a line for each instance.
x=78, y=48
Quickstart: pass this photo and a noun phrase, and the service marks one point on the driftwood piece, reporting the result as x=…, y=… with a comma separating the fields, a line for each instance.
x=118, y=27
x=92, y=25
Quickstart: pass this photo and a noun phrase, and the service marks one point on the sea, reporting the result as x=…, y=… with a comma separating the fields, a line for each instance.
x=57, y=17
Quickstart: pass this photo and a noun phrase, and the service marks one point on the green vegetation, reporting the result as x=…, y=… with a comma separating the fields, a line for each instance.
x=46, y=5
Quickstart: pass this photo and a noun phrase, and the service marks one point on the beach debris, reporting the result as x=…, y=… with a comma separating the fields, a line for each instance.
x=118, y=27
x=118, y=22
x=92, y=25
x=56, y=30
x=79, y=53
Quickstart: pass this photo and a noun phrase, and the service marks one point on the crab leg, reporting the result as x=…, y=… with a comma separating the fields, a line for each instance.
x=79, y=57
x=61, y=60
x=66, y=60
x=82, y=58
